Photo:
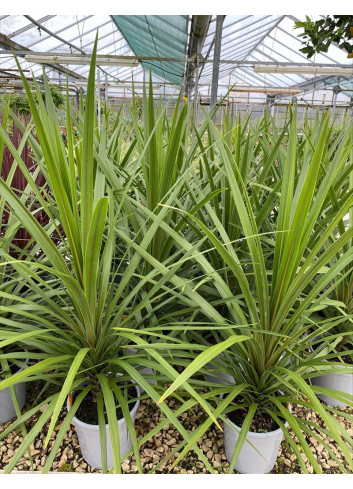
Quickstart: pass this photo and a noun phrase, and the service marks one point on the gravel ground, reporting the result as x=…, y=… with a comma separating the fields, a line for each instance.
x=154, y=450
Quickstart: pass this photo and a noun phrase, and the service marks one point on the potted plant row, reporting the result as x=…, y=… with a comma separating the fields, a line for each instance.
x=270, y=288
x=80, y=329
x=226, y=246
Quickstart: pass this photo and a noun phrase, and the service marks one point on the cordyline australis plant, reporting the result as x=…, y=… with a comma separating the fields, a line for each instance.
x=165, y=166
x=253, y=150
x=339, y=293
x=76, y=331
x=282, y=282
x=160, y=166
x=15, y=241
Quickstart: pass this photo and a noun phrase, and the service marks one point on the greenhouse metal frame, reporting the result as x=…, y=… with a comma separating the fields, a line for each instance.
x=182, y=53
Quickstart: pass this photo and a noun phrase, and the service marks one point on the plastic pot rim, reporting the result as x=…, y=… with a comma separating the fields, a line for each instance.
x=261, y=435
x=95, y=426
x=325, y=372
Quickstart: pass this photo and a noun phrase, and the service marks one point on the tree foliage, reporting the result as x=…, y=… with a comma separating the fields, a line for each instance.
x=318, y=35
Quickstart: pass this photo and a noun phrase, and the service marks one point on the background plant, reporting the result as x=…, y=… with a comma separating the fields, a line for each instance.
x=279, y=295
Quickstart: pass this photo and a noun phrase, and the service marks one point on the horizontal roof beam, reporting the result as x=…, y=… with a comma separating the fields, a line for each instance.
x=51, y=33
x=29, y=26
x=72, y=46
x=62, y=29
x=22, y=51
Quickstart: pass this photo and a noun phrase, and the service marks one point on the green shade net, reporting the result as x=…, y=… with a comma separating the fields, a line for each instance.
x=162, y=36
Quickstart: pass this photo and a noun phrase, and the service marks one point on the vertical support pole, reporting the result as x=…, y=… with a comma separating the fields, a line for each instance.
x=270, y=103
x=106, y=89
x=81, y=98
x=45, y=97
x=336, y=91
x=196, y=90
x=344, y=113
x=334, y=104
x=273, y=107
x=216, y=59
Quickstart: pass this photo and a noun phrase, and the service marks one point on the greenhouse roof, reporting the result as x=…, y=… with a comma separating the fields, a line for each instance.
x=157, y=36
x=246, y=39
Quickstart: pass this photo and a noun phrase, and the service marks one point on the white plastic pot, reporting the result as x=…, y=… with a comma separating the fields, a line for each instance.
x=339, y=382
x=251, y=461
x=89, y=440
x=7, y=408
x=260, y=456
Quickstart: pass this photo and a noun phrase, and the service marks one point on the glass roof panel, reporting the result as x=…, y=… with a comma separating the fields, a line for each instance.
x=282, y=44
x=74, y=33
x=240, y=35
x=35, y=35
x=258, y=38
x=12, y=23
